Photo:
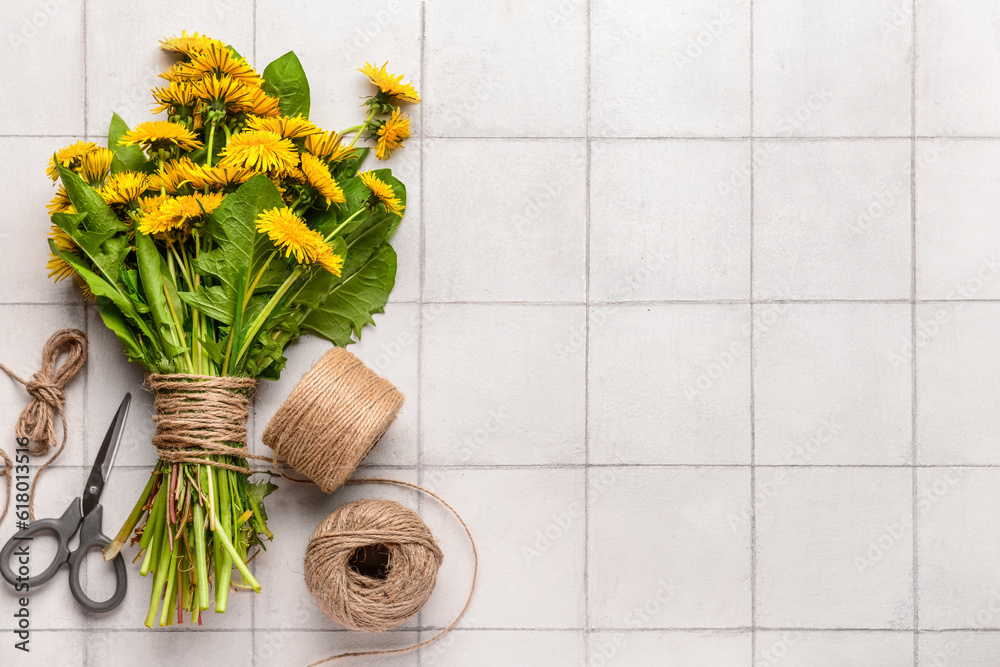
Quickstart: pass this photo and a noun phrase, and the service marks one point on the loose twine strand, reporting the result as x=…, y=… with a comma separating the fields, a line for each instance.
x=472, y=588
x=202, y=415
x=46, y=390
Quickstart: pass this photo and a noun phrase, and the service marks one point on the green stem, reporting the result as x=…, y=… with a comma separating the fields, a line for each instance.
x=334, y=233
x=248, y=578
x=161, y=578
x=133, y=518
x=208, y=154
x=264, y=314
x=201, y=556
x=224, y=565
x=364, y=126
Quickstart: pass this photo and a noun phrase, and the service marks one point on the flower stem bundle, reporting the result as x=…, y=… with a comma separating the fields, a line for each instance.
x=210, y=241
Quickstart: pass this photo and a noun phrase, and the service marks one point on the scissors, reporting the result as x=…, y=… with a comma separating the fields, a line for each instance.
x=83, y=514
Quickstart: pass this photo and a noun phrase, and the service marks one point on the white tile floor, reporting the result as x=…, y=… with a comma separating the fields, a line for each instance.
x=696, y=315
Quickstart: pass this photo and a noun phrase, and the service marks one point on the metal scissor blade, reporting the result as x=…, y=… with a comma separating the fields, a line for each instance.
x=105, y=458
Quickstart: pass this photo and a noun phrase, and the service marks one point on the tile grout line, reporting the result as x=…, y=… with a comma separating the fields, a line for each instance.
x=420, y=296
x=586, y=354
x=913, y=328
x=753, y=412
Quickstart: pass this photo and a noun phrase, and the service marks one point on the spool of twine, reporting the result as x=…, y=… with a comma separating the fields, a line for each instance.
x=332, y=419
x=403, y=579
x=372, y=529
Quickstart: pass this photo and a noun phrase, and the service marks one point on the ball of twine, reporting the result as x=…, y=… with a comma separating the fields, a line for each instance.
x=360, y=601
x=332, y=419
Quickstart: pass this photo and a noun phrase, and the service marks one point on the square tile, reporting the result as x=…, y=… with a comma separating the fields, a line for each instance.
x=686, y=567
x=832, y=220
x=669, y=383
x=124, y=58
x=43, y=53
x=25, y=223
x=506, y=68
x=518, y=233
x=503, y=384
x=834, y=549
x=51, y=605
x=531, y=547
x=23, y=354
x=375, y=32
x=958, y=242
x=691, y=649
x=839, y=69
x=957, y=393
x=957, y=63
x=831, y=386
x=958, y=539
x=960, y=649
x=675, y=224
x=795, y=648
x=293, y=512
x=502, y=648
x=677, y=68
x=390, y=349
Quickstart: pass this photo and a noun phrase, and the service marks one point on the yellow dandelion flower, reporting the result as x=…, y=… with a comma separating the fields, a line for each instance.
x=61, y=203
x=188, y=44
x=318, y=176
x=96, y=166
x=260, y=103
x=288, y=127
x=382, y=192
x=71, y=156
x=224, y=90
x=179, y=94
x=173, y=175
x=290, y=233
x=59, y=269
x=219, y=59
x=328, y=260
x=177, y=213
x=124, y=188
x=201, y=177
x=391, y=134
x=328, y=146
x=161, y=134
x=391, y=85
x=181, y=72
x=261, y=150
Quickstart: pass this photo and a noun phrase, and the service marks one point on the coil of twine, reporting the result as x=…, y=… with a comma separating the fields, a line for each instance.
x=359, y=601
x=199, y=415
x=332, y=419
x=375, y=603
x=47, y=398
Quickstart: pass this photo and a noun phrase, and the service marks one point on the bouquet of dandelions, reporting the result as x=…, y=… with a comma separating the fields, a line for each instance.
x=210, y=241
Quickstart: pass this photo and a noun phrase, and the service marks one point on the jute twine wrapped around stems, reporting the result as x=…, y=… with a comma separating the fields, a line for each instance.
x=332, y=419
x=198, y=415
x=46, y=390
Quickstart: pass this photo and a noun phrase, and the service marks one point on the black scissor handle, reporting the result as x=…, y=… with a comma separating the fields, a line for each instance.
x=92, y=538
x=63, y=528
